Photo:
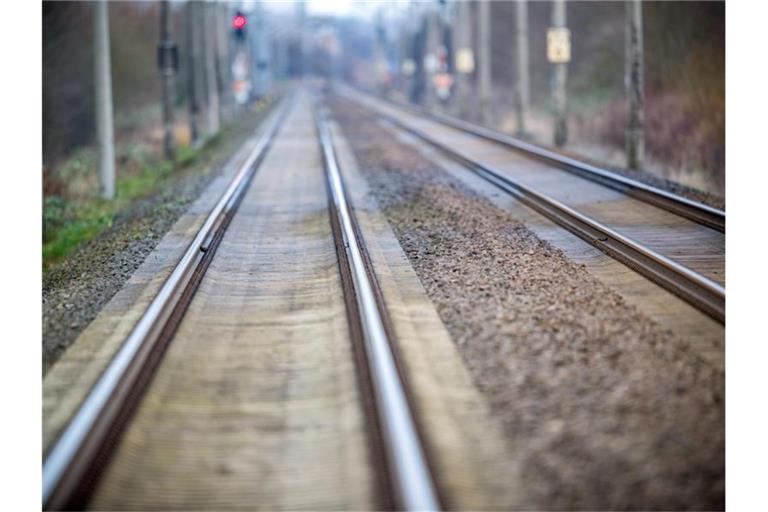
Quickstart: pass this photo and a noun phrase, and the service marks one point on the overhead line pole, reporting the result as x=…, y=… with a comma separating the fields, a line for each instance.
x=464, y=62
x=192, y=64
x=223, y=64
x=103, y=96
x=209, y=42
x=523, y=82
x=484, y=25
x=560, y=77
x=635, y=71
x=431, y=41
x=167, y=57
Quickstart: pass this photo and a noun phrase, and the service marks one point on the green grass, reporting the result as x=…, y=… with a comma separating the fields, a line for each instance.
x=67, y=224
x=72, y=235
x=76, y=214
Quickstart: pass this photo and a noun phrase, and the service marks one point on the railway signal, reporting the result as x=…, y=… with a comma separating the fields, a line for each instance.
x=239, y=21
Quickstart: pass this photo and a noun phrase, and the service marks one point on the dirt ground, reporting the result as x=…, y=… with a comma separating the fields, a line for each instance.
x=606, y=409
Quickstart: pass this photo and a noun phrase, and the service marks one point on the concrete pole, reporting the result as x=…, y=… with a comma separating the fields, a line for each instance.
x=281, y=66
x=432, y=39
x=484, y=27
x=192, y=63
x=379, y=52
x=560, y=76
x=168, y=87
x=223, y=67
x=209, y=42
x=201, y=47
x=303, y=29
x=419, y=42
x=523, y=81
x=462, y=37
x=635, y=71
x=103, y=96
x=201, y=73
x=261, y=59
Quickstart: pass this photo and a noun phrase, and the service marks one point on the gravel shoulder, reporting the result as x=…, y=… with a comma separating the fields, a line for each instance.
x=604, y=408
x=75, y=289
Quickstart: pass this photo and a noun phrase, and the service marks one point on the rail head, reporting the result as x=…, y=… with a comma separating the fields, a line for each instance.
x=409, y=470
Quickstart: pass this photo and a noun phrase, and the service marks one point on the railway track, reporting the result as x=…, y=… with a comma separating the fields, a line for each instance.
x=79, y=455
x=406, y=459
x=75, y=463
x=655, y=263
x=679, y=205
x=278, y=342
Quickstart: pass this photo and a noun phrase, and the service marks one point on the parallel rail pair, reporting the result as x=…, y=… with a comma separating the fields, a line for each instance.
x=700, y=291
x=682, y=206
x=73, y=465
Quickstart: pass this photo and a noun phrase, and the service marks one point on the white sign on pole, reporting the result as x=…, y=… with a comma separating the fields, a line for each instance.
x=465, y=60
x=430, y=63
x=559, y=45
x=408, y=67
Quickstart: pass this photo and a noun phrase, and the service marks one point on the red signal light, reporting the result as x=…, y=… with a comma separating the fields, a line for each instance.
x=239, y=21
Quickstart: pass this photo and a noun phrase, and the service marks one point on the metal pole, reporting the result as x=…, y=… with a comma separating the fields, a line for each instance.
x=560, y=76
x=484, y=15
x=303, y=28
x=261, y=53
x=523, y=82
x=201, y=71
x=419, y=43
x=463, y=52
x=636, y=122
x=166, y=53
x=209, y=42
x=192, y=63
x=432, y=40
x=220, y=20
x=103, y=86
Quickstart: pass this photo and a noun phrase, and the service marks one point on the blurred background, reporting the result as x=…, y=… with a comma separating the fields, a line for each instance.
x=684, y=60
x=191, y=68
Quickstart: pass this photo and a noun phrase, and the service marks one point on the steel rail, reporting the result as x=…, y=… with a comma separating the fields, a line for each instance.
x=700, y=291
x=412, y=480
x=94, y=421
x=693, y=210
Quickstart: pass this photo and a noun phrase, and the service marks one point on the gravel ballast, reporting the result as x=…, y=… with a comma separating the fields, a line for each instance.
x=604, y=408
x=75, y=289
